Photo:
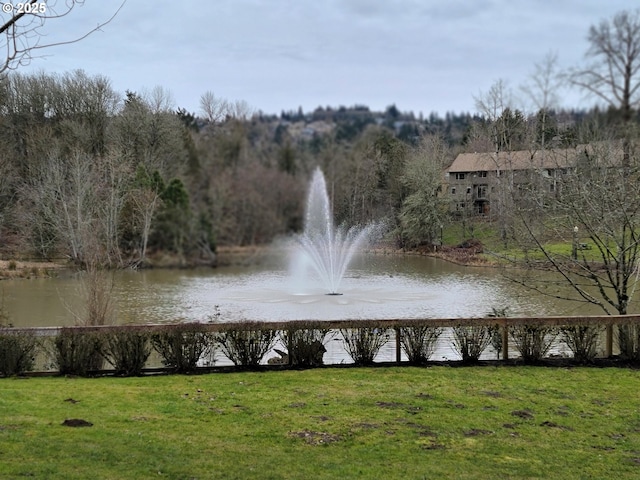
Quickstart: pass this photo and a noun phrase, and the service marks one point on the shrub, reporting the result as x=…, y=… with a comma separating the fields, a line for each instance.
x=5, y=320
x=629, y=341
x=363, y=343
x=246, y=344
x=496, y=334
x=17, y=352
x=496, y=340
x=127, y=350
x=78, y=352
x=582, y=340
x=305, y=346
x=182, y=346
x=419, y=342
x=96, y=294
x=471, y=340
x=533, y=341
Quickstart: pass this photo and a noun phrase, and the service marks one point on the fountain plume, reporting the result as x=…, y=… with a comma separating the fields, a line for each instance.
x=328, y=249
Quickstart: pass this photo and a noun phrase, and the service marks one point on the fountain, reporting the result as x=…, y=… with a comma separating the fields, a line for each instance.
x=327, y=249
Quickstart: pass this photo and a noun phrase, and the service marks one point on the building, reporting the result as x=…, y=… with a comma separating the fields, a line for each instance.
x=475, y=180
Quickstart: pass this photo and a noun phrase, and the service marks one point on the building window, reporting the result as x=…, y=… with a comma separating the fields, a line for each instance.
x=453, y=190
x=468, y=190
x=481, y=191
x=482, y=174
x=460, y=176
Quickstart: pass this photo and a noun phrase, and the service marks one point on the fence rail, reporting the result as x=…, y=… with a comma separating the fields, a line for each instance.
x=503, y=325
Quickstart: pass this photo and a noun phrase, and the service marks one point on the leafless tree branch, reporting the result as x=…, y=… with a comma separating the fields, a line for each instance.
x=21, y=34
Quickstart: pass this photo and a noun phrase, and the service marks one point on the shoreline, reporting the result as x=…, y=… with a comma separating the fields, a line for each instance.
x=234, y=256
x=28, y=269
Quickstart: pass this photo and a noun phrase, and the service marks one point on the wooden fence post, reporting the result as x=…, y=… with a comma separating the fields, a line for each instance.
x=398, y=347
x=608, y=341
x=505, y=341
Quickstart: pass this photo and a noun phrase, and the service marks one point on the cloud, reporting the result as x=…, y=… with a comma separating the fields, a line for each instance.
x=421, y=55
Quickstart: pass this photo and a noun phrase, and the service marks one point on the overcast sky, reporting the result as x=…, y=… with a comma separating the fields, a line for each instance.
x=421, y=55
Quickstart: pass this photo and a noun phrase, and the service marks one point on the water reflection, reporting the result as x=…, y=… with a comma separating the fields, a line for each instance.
x=377, y=286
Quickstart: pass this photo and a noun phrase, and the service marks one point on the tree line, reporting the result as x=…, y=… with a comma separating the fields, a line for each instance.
x=93, y=175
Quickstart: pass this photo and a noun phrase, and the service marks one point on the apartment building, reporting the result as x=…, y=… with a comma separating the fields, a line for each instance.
x=474, y=180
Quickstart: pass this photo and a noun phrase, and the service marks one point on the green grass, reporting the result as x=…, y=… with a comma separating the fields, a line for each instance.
x=555, y=249
x=377, y=423
x=489, y=235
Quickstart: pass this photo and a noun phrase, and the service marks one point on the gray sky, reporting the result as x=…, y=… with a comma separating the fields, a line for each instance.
x=422, y=55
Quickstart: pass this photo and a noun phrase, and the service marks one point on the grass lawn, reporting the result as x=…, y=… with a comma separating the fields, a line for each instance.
x=334, y=423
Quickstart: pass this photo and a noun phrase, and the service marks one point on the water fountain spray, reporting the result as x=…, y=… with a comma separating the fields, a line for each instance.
x=328, y=249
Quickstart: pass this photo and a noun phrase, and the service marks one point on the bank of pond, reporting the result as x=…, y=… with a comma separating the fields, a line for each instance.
x=130, y=350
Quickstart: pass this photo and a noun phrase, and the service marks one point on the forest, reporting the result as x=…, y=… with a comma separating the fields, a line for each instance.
x=111, y=179
x=91, y=175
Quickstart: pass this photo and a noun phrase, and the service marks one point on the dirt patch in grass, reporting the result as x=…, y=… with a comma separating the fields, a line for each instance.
x=492, y=394
x=433, y=445
x=555, y=425
x=425, y=396
x=477, y=432
x=316, y=438
x=524, y=414
x=422, y=430
x=76, y=422
x=366, y=425
x=403, y=406
x=322, y=418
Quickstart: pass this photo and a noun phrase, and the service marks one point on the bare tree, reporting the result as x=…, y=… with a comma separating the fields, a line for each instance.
x=78, y=201
x=544, y=83
x=148, y=132
x=145, y=201
x=159, y=100
x=615, y=52
x=598, y=197
x=596, y=216
x=112, y=179
x=213, y=108
x=596, y=213
x=62, y=194
x=23, y=30
x=495, y=106
x=543, y=91
x=239, y=109
x=216, y=109
x=492, y=105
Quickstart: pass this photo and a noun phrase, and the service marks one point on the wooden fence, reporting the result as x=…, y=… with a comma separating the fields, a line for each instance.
x=607, y=323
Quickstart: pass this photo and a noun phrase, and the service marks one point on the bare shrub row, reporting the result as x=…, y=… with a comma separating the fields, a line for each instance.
x=183, y=348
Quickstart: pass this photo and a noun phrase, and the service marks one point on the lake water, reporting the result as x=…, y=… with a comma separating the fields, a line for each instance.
x=376, y=286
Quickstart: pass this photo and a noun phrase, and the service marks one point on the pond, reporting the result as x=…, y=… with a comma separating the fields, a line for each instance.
x=375, y=286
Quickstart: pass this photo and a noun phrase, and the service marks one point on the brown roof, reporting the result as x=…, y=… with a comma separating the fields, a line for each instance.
x=522, y=159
